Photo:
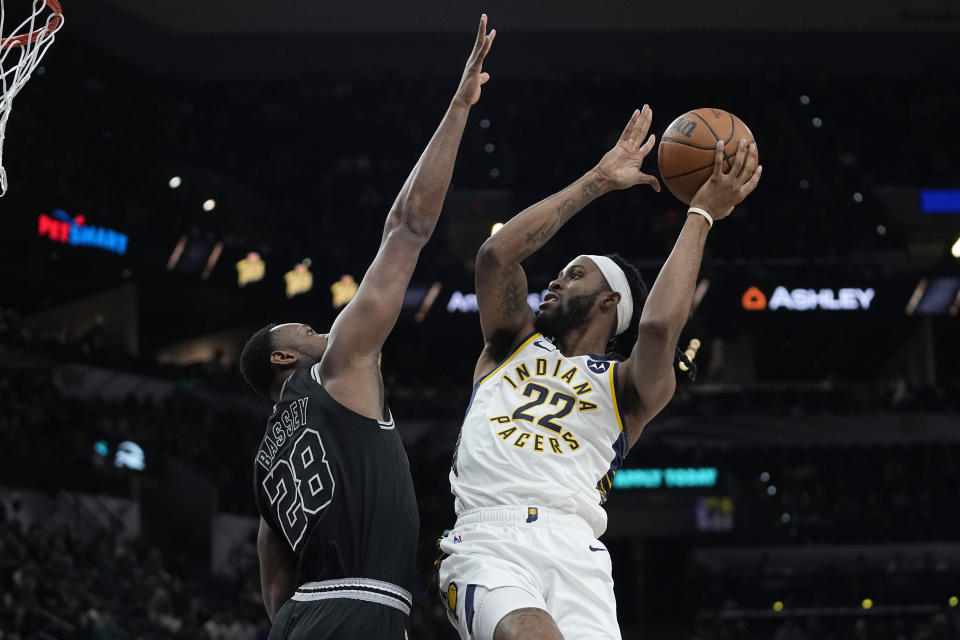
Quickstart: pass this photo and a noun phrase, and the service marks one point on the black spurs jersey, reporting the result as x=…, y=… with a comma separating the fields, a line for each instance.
x=337, y=485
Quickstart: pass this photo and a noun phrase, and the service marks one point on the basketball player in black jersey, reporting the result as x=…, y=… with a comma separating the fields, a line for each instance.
x=339, y=521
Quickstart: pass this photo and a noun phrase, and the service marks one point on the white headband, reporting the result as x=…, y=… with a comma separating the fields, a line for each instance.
x=617, y=280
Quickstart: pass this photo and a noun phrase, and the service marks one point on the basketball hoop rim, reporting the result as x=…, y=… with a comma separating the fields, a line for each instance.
x=52, y=24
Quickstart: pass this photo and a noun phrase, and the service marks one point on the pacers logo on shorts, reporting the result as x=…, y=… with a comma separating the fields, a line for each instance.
x=452, y=598
x=532, y=514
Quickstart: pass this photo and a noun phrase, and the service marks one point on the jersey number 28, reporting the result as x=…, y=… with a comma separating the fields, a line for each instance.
x=300, y=486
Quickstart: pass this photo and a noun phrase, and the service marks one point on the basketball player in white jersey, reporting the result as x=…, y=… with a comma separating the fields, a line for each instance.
x=552, y=417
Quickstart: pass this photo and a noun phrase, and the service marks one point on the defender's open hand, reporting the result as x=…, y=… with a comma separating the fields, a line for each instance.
x=473, y=75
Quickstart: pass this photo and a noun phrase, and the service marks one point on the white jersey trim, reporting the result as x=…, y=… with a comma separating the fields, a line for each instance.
x=365, y=589
x=530, y=338
x=613, y=394
x=387, y=425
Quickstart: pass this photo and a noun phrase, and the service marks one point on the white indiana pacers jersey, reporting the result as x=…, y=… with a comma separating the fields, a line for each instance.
x=542, y=429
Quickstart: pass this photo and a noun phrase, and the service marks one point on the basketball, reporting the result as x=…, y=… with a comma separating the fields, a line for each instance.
x=685, y=156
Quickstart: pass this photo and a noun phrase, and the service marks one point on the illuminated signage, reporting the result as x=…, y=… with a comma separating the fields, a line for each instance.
x=714, y=513
x=463, y=302
x=61, y=228
x=680, y=478
x=343, y=290
x=128, y=454
x=467, y=302
x=299, y=279
x=250, y=269
x=846, y=299
x=940, y=200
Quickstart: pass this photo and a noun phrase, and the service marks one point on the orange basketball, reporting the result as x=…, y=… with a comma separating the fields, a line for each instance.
x=687, y=146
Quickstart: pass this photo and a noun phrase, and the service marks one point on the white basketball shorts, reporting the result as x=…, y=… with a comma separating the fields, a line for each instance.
x=551, y=557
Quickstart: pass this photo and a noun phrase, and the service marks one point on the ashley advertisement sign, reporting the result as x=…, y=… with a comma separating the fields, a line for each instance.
x=804, y=299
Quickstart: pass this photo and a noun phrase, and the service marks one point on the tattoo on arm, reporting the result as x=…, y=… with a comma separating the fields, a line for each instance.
x=510, y=300
x=590, y=189
x=567, y=209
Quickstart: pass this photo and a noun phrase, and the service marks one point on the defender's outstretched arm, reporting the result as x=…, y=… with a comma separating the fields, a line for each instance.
x=362, y=327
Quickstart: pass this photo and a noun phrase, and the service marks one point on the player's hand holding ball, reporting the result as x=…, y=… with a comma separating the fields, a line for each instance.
x=620, y=167
x=473, y=74
x=724, y=190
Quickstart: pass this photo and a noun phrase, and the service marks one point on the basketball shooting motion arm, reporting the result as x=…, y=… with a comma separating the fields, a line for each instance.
x=362, y=327
x=650, y=367
x=505, y=316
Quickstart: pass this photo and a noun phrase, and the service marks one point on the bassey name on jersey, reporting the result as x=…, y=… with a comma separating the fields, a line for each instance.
x=290, y=420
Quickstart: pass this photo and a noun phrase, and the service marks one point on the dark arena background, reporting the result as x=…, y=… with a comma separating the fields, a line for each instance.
x=805, y=486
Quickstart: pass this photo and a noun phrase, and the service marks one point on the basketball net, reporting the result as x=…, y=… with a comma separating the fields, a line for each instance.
x=20, y=53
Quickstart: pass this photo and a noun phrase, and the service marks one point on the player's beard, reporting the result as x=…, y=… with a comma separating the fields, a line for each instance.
x=572, y=316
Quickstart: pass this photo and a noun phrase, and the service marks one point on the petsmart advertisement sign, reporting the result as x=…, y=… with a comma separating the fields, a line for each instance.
x=60, y=227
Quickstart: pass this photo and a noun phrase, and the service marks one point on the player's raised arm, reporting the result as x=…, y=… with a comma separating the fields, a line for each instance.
x=501, y=282
x=362, y=327
x=649, y=368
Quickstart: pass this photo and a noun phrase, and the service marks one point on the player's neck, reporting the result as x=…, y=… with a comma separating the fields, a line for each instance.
x=279, y=382
x=579, y=342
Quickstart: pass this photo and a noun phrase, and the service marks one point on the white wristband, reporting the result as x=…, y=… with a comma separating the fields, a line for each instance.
x=701, y=212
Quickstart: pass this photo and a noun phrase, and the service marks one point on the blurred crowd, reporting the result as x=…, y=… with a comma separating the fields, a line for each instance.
x=783, y=495
x=56, y=585
x=837, y=577
x=938, y=626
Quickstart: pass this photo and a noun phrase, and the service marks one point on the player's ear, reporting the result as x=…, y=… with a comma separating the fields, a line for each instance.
x=610, y=299
x=283, y=358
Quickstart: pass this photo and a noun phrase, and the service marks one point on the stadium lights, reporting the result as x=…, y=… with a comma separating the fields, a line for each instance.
x=208, y=205
x=175, y=182
x=915, y=296
x=778, y=606
x=702, y=287
x=955, y=249
x=496, y=227
x=177, y=252
x=212, y=261
x=953, y=601
x=867, y=604
x=428, y=301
